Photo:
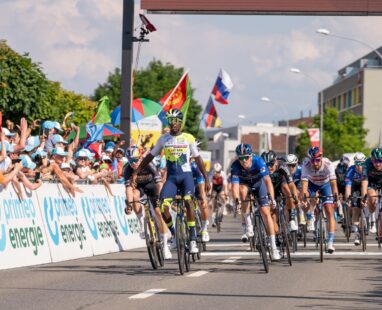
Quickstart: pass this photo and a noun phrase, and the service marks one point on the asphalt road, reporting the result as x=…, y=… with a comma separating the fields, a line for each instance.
x=227, y=277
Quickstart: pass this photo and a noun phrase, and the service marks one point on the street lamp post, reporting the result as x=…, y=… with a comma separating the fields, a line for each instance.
x=321, y=102
x=326, y=32
x=266, y=99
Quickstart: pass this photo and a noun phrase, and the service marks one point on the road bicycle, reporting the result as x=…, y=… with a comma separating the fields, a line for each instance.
x=321, y=233
x=182, y=234
x=259, y=240
x=284, y=235
x=154, y=243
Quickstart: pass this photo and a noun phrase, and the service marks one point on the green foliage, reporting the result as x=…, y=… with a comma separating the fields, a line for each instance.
x=342, y=135
x=26, y=92
x=303, y=142
x=152, y=83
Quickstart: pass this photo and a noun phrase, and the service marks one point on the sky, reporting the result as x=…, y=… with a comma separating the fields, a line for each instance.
x=78, y=42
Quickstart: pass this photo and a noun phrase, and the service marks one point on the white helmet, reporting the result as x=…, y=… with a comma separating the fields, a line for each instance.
x=359, y=157
x=291, y=159
x=217, y=167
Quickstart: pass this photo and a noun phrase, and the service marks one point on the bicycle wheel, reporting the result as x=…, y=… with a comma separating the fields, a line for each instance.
x=293, y=235
x=187, y=254
x=285, y=237
x=362, y=227
x=151, y=247
x=180, y=243
x=346, y=222
x=379, y=228
x=321, y=235
x=217, y=218
x=159, y=246
x=198, y=227
x=260, y=244
x=304, y=231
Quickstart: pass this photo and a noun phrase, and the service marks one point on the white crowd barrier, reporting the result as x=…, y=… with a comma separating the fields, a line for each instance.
x=49, y=225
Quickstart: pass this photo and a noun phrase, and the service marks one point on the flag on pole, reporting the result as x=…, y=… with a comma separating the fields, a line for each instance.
x=222, y=87
x=177, y=98
x=210, y=116
x=102, y=116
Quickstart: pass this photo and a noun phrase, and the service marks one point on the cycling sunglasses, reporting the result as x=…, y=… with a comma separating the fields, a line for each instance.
x=316, y=160
x=271, y=164
x=376, y=161
x=358, y=163
x=82, y=158
x=173, y=120
x=244, y=157
x=292, y=165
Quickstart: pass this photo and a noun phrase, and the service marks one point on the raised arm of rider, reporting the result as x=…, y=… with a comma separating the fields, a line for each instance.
x=149, y=157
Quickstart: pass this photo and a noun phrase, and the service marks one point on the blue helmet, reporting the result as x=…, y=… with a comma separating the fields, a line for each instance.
x=314, y=152
x=243, y=149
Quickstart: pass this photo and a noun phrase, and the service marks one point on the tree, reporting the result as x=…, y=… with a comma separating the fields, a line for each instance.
x=152, y=83
x=343, y=134
x=303, y=142
x=26, y=92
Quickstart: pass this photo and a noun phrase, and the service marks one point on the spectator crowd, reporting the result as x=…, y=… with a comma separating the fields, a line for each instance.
x=42, y=152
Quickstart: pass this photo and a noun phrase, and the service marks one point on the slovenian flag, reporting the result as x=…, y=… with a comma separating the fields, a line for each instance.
x=222, y=87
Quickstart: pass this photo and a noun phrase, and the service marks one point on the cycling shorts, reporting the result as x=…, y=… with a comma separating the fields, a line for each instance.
x=217, y=188
x=259, y=191
x=182, y=181
x=150, y=189
x=325, y=190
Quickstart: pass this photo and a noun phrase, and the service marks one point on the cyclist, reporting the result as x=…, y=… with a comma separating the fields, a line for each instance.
x=148, y=182
x=283, y=184
x=372, y=182
x=353, y=179
x=178, y=147
x=295, y=170
x=249, y=173
x=219, y=189
x=318, y=175
x=201, y=195
x=340, y=171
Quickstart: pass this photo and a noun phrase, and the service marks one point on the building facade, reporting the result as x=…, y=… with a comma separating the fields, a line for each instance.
x=358, y=88
x=263, y=136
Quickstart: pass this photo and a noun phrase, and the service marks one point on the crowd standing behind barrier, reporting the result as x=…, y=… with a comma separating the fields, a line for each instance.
x=48, y=210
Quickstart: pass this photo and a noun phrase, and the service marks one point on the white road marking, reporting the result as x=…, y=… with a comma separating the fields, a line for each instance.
x=210, y=244
x=302, y=253
x=147, y=293
x=350, y=244
x=232, y=259
x=197, y=274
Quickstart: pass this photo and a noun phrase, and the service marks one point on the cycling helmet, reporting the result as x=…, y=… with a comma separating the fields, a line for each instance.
x=174, y=113
x=291, y=159
x=269, y=157
x=345, y=160
x=314, y=152
x=243, y=149
x=133, y=152
x=376, y=153
x=217, y=167
x=359, y=157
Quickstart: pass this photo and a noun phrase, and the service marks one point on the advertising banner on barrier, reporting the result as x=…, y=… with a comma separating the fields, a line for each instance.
x=110, y=230
x=23, y=241
x=128, y=224
x=65, y=229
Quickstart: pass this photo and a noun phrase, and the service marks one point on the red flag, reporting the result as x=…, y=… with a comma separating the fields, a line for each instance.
x=96, y=148
x=179, y=96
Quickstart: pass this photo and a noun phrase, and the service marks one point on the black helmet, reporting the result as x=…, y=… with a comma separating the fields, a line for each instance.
x=269, y=157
